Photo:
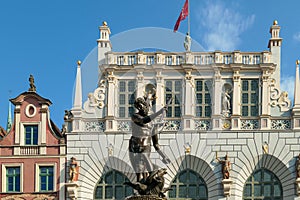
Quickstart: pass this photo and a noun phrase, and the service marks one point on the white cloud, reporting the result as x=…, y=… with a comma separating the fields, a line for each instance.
x=223, y=25
x=287, y=83
x=297, y=36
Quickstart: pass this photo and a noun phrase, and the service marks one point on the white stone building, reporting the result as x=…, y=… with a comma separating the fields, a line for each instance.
x=224, y=103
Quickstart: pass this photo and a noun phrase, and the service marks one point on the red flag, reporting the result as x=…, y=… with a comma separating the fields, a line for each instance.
x=183, y=14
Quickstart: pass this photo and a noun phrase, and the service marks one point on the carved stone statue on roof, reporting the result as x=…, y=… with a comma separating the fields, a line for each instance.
x=31, y=84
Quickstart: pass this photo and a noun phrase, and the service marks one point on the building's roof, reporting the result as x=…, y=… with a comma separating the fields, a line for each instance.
x=19, y=99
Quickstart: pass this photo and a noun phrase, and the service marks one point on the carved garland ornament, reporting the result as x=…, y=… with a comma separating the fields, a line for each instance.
x=96, y=99
x=279, y=98
x=202, y=125
x=95, y=126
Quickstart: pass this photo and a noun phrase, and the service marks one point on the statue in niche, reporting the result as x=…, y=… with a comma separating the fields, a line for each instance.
x=226, y=99
x=143, y=131
x=74, y=170
x=298, y=166
x=226, y=165
x=150, y=96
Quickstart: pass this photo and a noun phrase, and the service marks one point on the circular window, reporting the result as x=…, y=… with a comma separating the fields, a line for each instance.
x=30, y=110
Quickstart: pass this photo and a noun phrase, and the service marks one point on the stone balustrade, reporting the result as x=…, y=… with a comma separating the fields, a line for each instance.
x=195, y=58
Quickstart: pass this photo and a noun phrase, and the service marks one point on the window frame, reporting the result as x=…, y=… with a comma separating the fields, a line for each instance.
x=103, y=184
x=251, y=181
x=174, y=94
x=22, y=132
x=128, y=95
x=33, y=134
x=179, y=185
x=250, y=93
x=37, y=176
x=4, y=177
x=203, y=103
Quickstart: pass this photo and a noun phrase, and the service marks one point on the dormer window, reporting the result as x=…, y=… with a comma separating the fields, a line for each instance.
x=31, y=134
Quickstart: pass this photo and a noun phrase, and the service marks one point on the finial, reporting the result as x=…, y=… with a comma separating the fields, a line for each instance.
x=275, y=22
x=78, y=62
x=297, y=62
x=104, y=23
x=31, y=84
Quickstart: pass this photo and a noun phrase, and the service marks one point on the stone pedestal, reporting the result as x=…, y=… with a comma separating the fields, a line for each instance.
x=226, y=186
x=72, y=189
x=297, y=182
x=144, y=197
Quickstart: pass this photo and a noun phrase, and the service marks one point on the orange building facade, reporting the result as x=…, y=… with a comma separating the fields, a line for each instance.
x=32, y=152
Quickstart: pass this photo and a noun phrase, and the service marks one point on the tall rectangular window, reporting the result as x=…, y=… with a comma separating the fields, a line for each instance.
x=13, y=181
x=126, y=98
x=250, y=97
x=31, y=134
x=203, y=99
x=173, y=89
x=46, y=178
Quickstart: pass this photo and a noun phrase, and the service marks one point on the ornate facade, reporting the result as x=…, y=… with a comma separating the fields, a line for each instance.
x=32, y=152
x=228, y=112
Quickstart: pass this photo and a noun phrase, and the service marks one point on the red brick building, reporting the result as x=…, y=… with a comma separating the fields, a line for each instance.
x=33, y=152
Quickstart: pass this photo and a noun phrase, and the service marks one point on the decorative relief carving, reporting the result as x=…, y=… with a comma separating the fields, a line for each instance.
x=281, y=124
x=124, y=126
x=202, y=124
x=96, y=99
x=94, y=126
x=249, y=124
x=173, y=125
x=226, y=125
x=279, y=98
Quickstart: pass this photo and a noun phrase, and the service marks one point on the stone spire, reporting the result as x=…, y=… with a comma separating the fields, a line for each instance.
x=78, y=92
x=9, y=120
x=297, y=89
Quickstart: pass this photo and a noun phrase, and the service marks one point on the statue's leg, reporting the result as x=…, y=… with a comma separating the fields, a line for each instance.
x=135, y=164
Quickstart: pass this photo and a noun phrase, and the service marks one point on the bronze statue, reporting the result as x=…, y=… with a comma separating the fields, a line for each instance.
x=152, y=185
x=143, y=131
x=226, y=165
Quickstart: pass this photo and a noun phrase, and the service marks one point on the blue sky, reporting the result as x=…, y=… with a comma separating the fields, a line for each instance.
x=46, y=38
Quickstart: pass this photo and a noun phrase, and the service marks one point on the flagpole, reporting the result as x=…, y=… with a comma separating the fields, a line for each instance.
x=189, y=27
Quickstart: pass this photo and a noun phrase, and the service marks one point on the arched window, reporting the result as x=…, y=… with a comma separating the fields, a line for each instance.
x=262, y=184
x=188, y=184
x=111, y=186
